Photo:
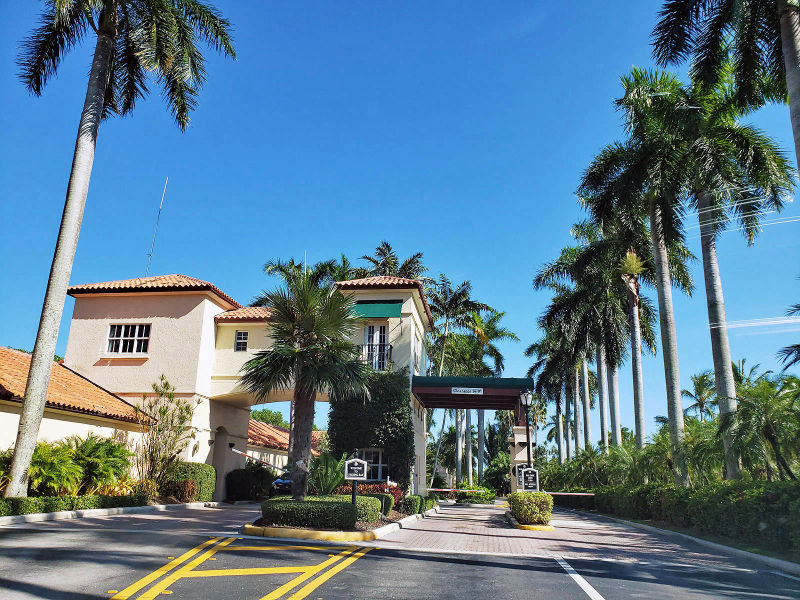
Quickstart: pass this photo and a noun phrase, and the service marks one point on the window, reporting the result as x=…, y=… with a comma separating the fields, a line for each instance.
x=240, y=345
x=128, y=339
x=377, y=351
x=377, y=469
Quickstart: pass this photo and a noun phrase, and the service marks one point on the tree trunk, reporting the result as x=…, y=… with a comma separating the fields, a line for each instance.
x=438, y=447
x=481, y=450
x=560, y=433
x=300, y=459
x=587, y=405
x=468, y=443
x=779, y=458
x=576, y=408
x=459, y=446
x=669, y=346
x=613, y=404
x=61, y=268
x=444, y=343
x=717, y=325
x=790, y=42
x=568, y=416
x=636, y=360
x=600, y=362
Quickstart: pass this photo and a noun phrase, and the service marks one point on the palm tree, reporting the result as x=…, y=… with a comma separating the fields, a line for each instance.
x=702, y=395
x=312, y=353
x=134, y=39
x=386, y=262
x=790, y=355
x=764, y=37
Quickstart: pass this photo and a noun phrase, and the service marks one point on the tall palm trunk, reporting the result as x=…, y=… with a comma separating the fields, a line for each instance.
x=587, y=424
x=613, y=403
x=576, y=407
x=717, y=324
x=480, y=446
x=669, y=346
x=600, y=362
x=560, y=432
x=790, y=42
x=78, y=187
x=632, y=285
x=300, y=458
x=568, y=416
x=438, y=447
x=783, y=466
x=444, y=344
x=459, y=446
x=468, y=443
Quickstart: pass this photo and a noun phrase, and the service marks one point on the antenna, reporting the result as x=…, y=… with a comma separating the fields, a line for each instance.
x=155, y=231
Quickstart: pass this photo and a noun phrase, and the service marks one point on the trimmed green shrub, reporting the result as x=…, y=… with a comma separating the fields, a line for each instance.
x=322, y=514
x=531, y=508
x=387, y=502
x=182, y=491
x=367, y=509
x=44, y=504
x=428, y=502
x=146, y=487
x=250, y=483
x=203, y=475
x=485, y=496
x=410, y=505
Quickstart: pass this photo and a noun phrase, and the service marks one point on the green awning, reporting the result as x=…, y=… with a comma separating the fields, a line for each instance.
x=379, y=309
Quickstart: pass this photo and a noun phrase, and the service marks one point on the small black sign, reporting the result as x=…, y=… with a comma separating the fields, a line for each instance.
x=355, y=468
x=530, y=480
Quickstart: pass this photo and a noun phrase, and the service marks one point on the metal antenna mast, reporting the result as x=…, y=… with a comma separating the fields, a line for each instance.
x=155, y=231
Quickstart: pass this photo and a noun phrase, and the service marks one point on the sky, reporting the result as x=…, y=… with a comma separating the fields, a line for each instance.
x=459, y=129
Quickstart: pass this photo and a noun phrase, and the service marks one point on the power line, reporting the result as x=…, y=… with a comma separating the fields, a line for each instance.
x=155, y=231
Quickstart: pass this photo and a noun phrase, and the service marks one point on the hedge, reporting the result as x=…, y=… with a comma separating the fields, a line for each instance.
x=327, y=514
x=250, y=483
x=485, y=496
x=367, y=509
x=46, y=504
x=387, y=501
x=410, y=505
x=531, y=508
x=203, y=475
x=757, y=511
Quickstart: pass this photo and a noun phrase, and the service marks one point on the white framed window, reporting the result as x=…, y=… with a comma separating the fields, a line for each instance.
x=376, y=347
x=240, y=345
x=128, y=339
x=377, y=468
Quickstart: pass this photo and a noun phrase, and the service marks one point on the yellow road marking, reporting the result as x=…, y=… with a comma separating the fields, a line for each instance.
x=112, y=591
x=146, y=580
x=315, y=583
x=175, y=575
x=310, y=572
x=251, y=548
x=247, y=571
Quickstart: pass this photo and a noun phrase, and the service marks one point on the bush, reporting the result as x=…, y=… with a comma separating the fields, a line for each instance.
x=145, y=487
x=485, y=496
x=326, y=473
x=497, y=473
x=40, y=504
x=410, y=505
x=203, y=475
x=327, y=514
x=182, y=491
x=531, y=508
x=250, y=483
x=428, y=502
x=367, y=509
x=387, y=502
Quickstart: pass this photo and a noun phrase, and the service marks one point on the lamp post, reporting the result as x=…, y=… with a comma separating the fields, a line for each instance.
x=526, y=397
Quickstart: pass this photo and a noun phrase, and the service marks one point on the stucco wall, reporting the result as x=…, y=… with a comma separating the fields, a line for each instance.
x=181, y=334
x=277, y=458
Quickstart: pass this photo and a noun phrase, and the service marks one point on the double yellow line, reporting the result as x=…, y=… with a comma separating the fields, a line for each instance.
x=183, y=567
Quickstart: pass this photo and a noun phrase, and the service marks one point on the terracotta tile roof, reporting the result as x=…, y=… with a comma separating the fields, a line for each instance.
x=67, y=390
x=274, y=437
x=243, y=315
x=157, y=283
x=389, y=282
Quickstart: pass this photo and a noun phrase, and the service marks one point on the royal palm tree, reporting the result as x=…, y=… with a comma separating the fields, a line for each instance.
x=703, y=395
x=312, y=353
x=386, y=262
x=134, y=41
x=764, y=39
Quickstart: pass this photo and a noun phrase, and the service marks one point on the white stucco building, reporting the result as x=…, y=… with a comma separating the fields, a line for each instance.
x=125, y=334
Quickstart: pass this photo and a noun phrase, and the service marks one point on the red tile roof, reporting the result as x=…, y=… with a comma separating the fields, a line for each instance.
x=275, y=438
x=157, y=283
x=67, y=390
x=389, y=282
x=244, y=315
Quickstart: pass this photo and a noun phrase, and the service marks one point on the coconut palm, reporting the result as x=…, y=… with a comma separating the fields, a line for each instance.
x=386, y=262
x=764, y=39
x=312, y=353
x=790, y=355
x=134, y=40
x=703, y=395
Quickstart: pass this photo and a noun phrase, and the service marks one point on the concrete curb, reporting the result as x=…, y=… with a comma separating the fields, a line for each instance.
x=66, y=515
x=518, y=525
x=335, y=536
x=777, y=563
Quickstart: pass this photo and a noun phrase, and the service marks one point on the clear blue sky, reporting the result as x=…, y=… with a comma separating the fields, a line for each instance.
x=457, y=129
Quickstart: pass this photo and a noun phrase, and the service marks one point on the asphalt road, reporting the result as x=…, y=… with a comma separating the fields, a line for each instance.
x=199, y=554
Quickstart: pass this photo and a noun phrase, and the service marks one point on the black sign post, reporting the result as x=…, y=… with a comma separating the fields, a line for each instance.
x=355, y=469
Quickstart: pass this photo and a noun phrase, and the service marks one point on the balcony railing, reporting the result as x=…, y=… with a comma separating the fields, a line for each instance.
x=377, y=356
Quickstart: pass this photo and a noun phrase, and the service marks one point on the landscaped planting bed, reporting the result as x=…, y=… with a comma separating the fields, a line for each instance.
x=531, y=508
x=47, y=504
